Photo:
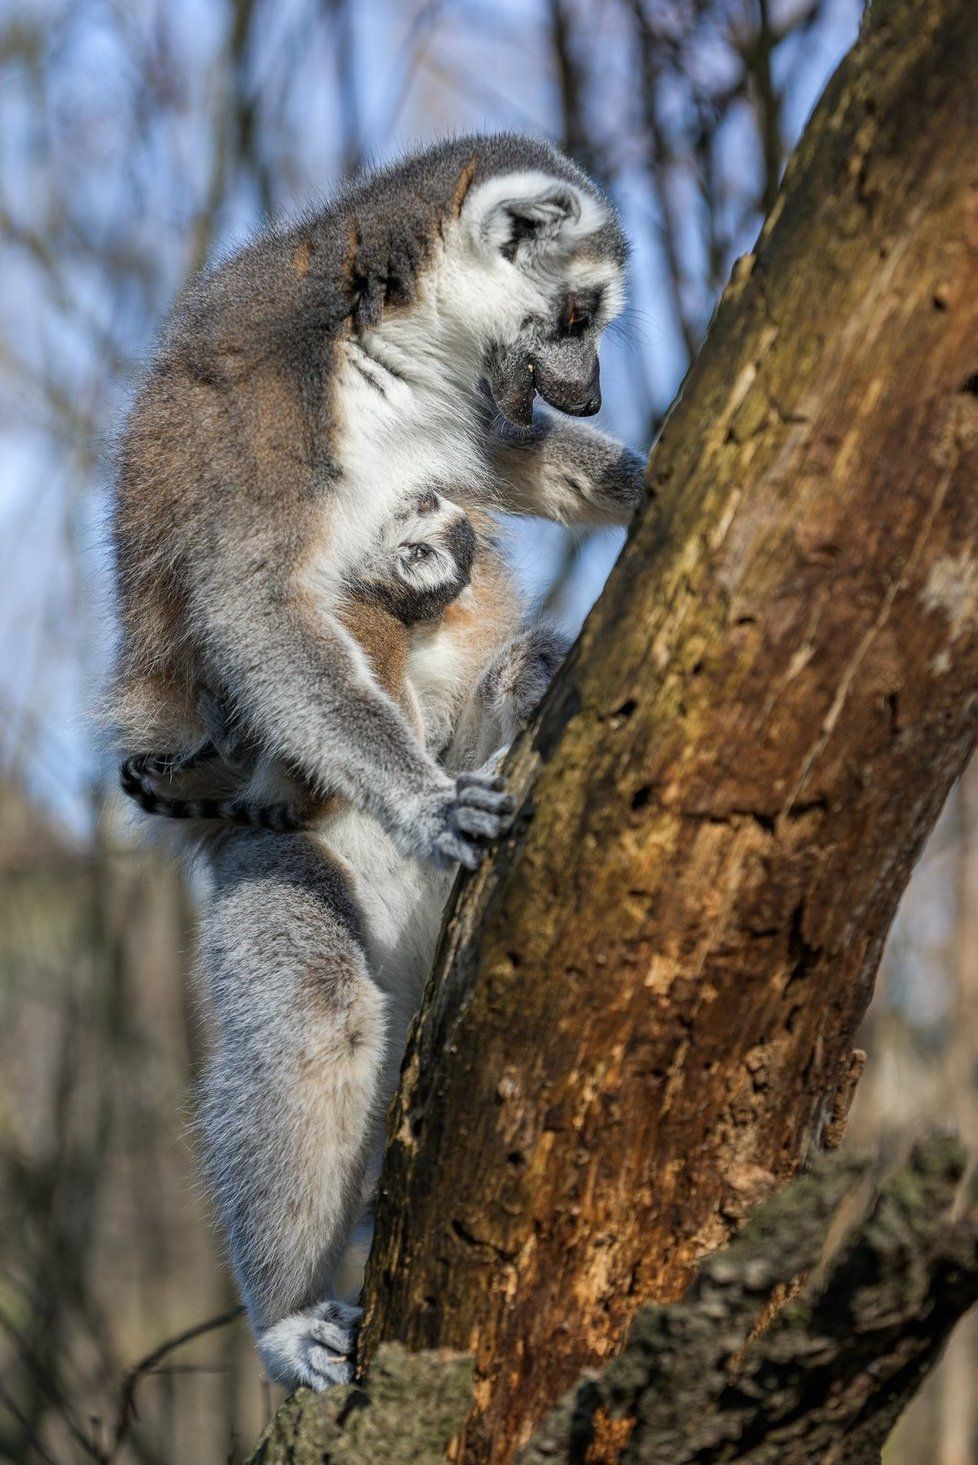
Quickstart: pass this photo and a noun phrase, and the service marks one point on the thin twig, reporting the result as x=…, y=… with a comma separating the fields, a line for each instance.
x=30, y=1433
x=127, y=1404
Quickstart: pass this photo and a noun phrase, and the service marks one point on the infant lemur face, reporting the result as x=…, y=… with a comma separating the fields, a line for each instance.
x=423, y=560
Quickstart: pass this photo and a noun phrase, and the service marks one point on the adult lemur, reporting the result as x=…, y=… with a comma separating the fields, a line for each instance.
x=304, y=390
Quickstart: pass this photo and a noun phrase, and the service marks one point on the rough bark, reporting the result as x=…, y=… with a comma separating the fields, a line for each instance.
x=645, y=1006
x=802, y=1341
x=877, y=1274
x=414, y=1406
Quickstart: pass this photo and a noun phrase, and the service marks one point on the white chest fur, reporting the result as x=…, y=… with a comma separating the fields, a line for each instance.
x=406, y=421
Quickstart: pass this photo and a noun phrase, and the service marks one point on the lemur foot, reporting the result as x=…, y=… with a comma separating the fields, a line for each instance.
x=314, y=1348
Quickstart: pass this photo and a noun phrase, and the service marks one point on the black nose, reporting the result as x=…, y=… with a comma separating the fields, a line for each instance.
x=586, y=399
x=588, y=407
x=571, y=382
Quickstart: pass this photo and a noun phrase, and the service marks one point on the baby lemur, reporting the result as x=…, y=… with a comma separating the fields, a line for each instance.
x=306, y=390
x=392, y=606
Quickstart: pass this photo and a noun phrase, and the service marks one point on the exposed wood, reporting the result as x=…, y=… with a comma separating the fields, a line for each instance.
x=877, y=1271
x=646, y=1004
x=801, y=1341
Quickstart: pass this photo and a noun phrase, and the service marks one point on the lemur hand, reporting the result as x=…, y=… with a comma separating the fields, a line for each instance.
x=631, y=472
x=464, y=819
x=513, y=685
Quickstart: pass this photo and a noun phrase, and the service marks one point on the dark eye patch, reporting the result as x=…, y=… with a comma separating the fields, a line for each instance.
x=578, y=312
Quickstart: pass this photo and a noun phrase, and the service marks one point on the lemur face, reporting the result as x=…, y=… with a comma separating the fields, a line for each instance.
x=552, y=256
x=423, y=560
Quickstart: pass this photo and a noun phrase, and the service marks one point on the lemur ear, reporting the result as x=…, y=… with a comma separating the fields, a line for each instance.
x=529, y=209
x=541, y=218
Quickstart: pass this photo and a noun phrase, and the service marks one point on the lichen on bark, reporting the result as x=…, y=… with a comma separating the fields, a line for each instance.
x=413, y=1407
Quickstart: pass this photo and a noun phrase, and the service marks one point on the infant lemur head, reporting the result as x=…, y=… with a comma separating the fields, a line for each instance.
x=541, y=258
x=422, y=560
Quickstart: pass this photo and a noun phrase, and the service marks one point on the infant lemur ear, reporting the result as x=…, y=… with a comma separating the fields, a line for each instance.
x=531, y=210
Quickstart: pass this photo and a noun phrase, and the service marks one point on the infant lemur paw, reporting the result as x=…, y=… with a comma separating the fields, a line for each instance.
x=519, y=677
x=313, y=1349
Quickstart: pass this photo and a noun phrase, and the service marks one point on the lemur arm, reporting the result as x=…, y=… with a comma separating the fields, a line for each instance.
x=304, y=688
x=559, y=469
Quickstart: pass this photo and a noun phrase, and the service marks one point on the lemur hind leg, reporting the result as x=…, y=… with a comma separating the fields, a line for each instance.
x=290, y=1098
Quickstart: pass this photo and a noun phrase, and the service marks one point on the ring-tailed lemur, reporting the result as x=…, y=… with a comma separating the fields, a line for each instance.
x=315, y=950
x=394, y=599
x=305, y=388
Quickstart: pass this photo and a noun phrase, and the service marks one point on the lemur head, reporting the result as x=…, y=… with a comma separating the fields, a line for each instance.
x=422, y=560
x=493, y=255
x=545, y=255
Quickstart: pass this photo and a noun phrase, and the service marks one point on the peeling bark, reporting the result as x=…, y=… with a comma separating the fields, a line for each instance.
x=644, y=1009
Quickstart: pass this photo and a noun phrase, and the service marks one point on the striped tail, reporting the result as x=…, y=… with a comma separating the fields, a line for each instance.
x=136, y=777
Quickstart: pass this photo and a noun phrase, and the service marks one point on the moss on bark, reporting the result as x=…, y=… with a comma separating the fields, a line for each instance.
x=413, y=1407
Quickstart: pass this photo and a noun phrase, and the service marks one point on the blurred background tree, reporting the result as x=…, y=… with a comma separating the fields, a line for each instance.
x=138, y=141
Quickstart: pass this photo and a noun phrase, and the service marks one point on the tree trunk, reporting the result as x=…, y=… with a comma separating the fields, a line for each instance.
x=643, y=1014
x=645, y=1007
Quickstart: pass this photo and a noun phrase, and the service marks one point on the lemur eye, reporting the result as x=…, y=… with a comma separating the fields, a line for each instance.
x=574, y=322
x=419, y=552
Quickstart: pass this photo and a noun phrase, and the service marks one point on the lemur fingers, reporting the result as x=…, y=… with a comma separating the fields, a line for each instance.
x=457, y=849
x=485, y=791
x=168, y=765
x=480, y=811
x=478, y=822
x=234, y=744
x=484, y=777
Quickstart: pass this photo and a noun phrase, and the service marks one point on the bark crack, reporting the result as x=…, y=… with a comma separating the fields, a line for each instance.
x=898, y=583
